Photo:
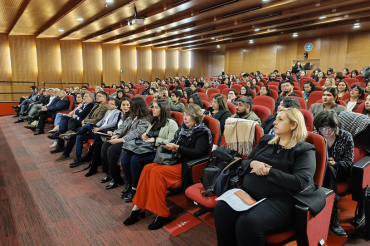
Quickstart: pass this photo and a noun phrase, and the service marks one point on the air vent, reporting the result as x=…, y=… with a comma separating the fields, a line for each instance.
x=279, y=21
x=242, y=11
x=182, y=28
x=145, y=37
x=236, y=35
x=125, y=35
x=204, y=30
x=262, y=17
x=104, y=31
x=308, y=28
x=179, y=3
x=217, y=6
x=219, y=33
x=297, y=24
x=162, y=24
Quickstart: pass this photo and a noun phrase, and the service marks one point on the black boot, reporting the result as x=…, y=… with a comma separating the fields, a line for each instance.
x=334, y=226
x=128, y=198
x=57, y=150
x=134, y=215
x=158, y=223
x=126, y=190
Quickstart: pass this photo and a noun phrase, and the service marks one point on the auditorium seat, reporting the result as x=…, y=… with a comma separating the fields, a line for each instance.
x=184, y=101
x=313, y=98
x=107, y=90
x=139, y=95
x=221, y=87
x=134, y=91
x=274, y=94
x=202, y=90
x=298, y=92
x=273, y=83
x=360, y=78
x=225, y=92
x=148, y=99
x=129, y=95
x=308, y=119
x=213, y=91
x=178, y=116
x=232, y=108
x=273, y=87
x=350, y=81
x=257, y=89
x=236, y=87
x=112, y=90
x=206, y=104
x=203, y=95
x=360, y=108
x=262, y=112
x=268, y=102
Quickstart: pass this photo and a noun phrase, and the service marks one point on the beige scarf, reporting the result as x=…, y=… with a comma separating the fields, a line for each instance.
x=239, y=135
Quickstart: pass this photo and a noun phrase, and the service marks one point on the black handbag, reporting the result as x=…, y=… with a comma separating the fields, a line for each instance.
x=138, y=146
x=165, y=157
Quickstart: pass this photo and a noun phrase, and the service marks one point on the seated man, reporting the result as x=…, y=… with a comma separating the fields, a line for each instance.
x=146, y=89
x=87, y=132
x=287, y=88
x=328, y=102
x=244, y=110
x=175, y=102
x=27, y=104
x=33, y=95
x=35, y=109
x=272, y=78
x=51, y=111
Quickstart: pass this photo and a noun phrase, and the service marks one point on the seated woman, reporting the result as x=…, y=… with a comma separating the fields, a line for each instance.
x=343, y=88
x=278, y=169
x=187, y=93
x=119, y=94
x=265, y=91
x=250, y=85
x=133, y=127
x=232, y=96
x=338, y=76
x=320, y=76
x=329, y=82
x=196, y=99
x=192, y=141
x=282, y=102
x=152, y=91
x=329, y=102
x=156, y=97
x=345, y=72
x=357, y=93
x=308, y=88
x=246, y=91
x=367, y=88
x=219, y=110
x=160, y=131
x=340, y=159
x=193, y=88
x=354, y=73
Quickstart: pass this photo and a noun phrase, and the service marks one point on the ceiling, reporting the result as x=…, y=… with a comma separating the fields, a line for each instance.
x=184, y=24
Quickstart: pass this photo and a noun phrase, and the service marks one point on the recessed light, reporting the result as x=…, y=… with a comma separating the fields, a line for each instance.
x=265, y=0
x=159, y=30
x=357, y=24
x=80, y=19
x=256, y=30
x=130, y=38
x=322, y=17
x=109, y=1
x=295, y=34
x=218, y=46
x=60, y=30
x=251, y=41
x=213, y=38
x=346, y=16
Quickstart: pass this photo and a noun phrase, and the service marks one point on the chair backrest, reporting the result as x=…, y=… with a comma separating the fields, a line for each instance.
x=242, y=82
x=308, y=119
x=257, y=89
x=236, y=87
x=134, y=91
x=273, y=83
x=203, y=95
x=360, y=108
x=129, y=95
x=302, y=102
x=178, y=116
x=184, y=101
x=363, y=84
x=340, y=102
x=273, y=87
x=107, y=90
x=274, y=94
x=320, y=147
x=313, y=97
x=225, y=91
x=206, y=104
x=268, y=102
x=350, y=81
x=346, y=96
x=262, y=112
x=212, y=95
x=213, y=91
x=298, y=92
x=322, y=82
x=148, y=99
x=222, y=86
x=70, y=100
x=140, y=89
x=112, y=90
x=214, y=126
x=232, y=108
x=139, y=95
x=360, y=78
x=201, y=90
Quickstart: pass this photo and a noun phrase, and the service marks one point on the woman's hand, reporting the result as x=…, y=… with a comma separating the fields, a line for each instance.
x=171, y=146
x=114, y=137
x=260, y=168
x=116, y=140
x=144, y=136
x=110, y=132
x=149, y=140
x=331, y=162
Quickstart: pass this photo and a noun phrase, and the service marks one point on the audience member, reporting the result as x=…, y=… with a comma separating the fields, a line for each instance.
x=343, y=88
x=329, y=82
x=297, y=67
x=357, y=92
x=287, y=89
x=196, y=99
x=219, y=110
x=246, y=91
x=232, y=96
x=308, y=87
x=265, y=91
x=244, y=107
x=329, y=97
x=175, y=102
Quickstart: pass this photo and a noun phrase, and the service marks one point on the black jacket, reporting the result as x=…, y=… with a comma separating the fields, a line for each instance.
x=268, y=124
x=221, y=116
x=45, y=100
x=299, y=182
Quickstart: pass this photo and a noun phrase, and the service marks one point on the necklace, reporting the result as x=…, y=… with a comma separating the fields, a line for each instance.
x=279, y=149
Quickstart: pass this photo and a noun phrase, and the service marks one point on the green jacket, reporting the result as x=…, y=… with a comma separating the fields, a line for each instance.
x=166, y=133
x=175, y=107
x=250, y=116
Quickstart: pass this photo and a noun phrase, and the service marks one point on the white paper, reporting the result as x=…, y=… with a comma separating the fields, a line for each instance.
x=235, y=202
x=214, y=147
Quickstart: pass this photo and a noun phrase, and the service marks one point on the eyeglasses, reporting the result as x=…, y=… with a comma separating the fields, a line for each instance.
x=326, y=129
x=354, y=89
x=230, y=94
x=112, y=104
x=98, y=96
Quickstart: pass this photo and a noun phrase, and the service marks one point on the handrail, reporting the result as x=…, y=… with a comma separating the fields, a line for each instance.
x=15, y=92
x=19, y=82
x=67, y=83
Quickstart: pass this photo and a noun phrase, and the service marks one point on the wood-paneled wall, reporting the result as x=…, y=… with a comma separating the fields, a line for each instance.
x=158, y=63
x=144, y=63
x=172, y=63
x=92, y=63
x=111, y=64
x=184, y=59
x=128, y=63
x=71, y=56
x=48, y=60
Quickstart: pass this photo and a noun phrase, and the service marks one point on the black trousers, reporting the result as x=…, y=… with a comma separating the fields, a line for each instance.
x=249, y=227
x=331, y=180
x=74, y=124
x=110, y=155
x=43, y=117
x=95, y=153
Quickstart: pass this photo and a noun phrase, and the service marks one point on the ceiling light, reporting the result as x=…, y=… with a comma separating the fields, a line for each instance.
x=357, y=24
x=346, y=16
x=218, y=46
x=213, y=38
x=60, y=30
x=251, y=41
x=130, y=38
x=109, y=1
x=256, y=30
x=322, y=17
x=265, y=0
x=295, y=34
x=159, y=30
x=80, y=19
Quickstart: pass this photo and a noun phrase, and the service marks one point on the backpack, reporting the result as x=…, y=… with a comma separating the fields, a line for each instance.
x=222, y=166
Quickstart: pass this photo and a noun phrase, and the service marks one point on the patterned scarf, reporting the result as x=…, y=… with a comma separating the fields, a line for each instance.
x=184, y=131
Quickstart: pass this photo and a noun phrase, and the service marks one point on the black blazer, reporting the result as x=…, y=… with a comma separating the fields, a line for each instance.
x=268, y=124
x=221, y=116
x=299, y=182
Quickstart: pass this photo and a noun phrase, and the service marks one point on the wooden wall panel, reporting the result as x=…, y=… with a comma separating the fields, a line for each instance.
x=128, y=63
x=358, y=50
x=48, y=60
x=92, y=63
x=215, y=63
x=184, y=59
x=333, y=52
x=5, y=68
x=267, y=58
x=198, y=61
x=71, y=54
x=235, y=64
x=286, y=52
x=250, y=59
x=172, y=63
x=144, y=61
x=111, y=64
x=158, y=64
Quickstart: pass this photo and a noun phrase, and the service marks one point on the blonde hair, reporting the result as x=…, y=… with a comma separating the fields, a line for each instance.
x=299, y=134
x=195, y=112
x=332, y=82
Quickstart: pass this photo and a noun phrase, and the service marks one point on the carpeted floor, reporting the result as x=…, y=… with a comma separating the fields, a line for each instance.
x=43, y=203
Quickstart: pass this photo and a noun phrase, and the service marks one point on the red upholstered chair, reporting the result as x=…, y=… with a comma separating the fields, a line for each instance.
x=298, y=92
x=259, y=83
x=262, y=112
x=203, y=95
x=346, y=96
x=314, y=96
x=257, y=89
x=274, y=94
x=309, y=230
x=340, y=102
x=232, y=108
x=243, y=82
x=360, y=78
x=141, y=88
x=91, y=89
x=107, y=90
x=225, y=91
x=70, y=107
x=139, y=95
x=112, y=90
x=360, y=108
x=236, y=87
x=273, y=87
x=129, y=95
x=134, y=91
x=178, y=116
x=148, y=99
x=322, y=82
x=221, y=87
x=302, y=102
x=308, y=118
x=184, y=101
x=268, y=102
x=213, y=91
x=208, y=203
x=273, y=83
x=206, y=104
x=350, y=81
x=201, y=90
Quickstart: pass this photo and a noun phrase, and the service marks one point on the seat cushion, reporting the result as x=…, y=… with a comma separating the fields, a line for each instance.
x=90, y=141
x=343, y=187
x=176, y=185
x=278, y=238
x=194, y=193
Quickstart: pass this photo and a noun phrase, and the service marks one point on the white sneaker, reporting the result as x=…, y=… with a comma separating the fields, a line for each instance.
x=55, y=143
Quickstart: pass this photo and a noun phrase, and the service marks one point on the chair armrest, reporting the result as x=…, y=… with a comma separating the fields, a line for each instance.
x=65, y=111
x=196, y=167
x=313, y=230
x=360, y=177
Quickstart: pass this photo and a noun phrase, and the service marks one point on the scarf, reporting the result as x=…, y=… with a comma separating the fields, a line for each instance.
x=239, y=135
x=184, y=131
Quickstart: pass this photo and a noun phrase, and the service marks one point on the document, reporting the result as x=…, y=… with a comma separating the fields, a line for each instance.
x=235, y=202
x=104, y=134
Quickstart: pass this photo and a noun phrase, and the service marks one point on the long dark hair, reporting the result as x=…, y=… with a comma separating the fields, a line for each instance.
x=189, y=92
x=165, y=113
x=334, y=92
x=139, y=108
x=360, y=89
x=248, y=93
x=197, y=100
x=328, y=118
x=267, y=89
x=222, y=104
x=365, y=111
x=312, y=85
x=123, y=94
